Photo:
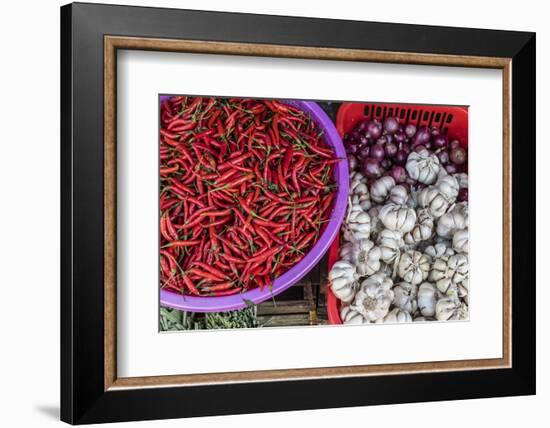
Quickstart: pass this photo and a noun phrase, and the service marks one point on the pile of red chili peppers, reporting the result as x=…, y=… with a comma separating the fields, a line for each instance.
x=246, y=187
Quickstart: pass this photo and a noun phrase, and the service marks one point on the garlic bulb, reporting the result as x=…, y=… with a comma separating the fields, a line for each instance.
x=389, y=242
x=413, y=266
x=431, y=198
x=345, y=251
x=423, y=167
x=397, y=315
x=366, y=257
x=358, y=224
x=404, y=297
x=451, y=308
x=460, y=241
x=462, y=180
x=455, y=219
x=351, y=316
x=363, y=200
x=343, y=280
x=448, y=187
x=376, y=225
x=374, y=297
x=422, y=230
x=399, y=195
x=380, y=189
x=397, y=217
x=426, y=299
x=358, y=184
x=438, y=250
x=423, y=319
x=463, y=290
x=449, y=272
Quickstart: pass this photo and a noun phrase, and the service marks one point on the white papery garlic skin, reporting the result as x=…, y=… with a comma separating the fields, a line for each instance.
x=351, y=316
x=460, y=241
x=448, y=187
x=397, y=217
x=423, y=229
x=423, y=167
x=462, y=179
x=426, y=299
x=413, y=266
x=358, y=224
x=366, y=257
x=389, y=242
x=399, y=195
x=345, y=251
x=455, y=219
x=374, y=297
x=433, y=200
x=380, y=189
x=404, y=297
x=396, y=316
x=451, y=308
x=438, y=250
x=447, y=273
x=343, y=280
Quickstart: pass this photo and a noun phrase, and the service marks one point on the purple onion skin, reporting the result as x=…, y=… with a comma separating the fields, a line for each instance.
x=391, y=150
x=399, y=174
x=352, y=149
x=463, y=195
x=377, y=151
x=371, y=168
x=391, y=125
x=435, y=131
x=374, y=128
x=443, y=156
x=458, y=155
x=401, y=157
x=422, y=136
x=382, y=140
x=364, y=152
x=400, y=137
x=439, y=141
x=385, y=163
x=454, y=144
x=410, y=130
x=353, y=163
x=419, y=148
x=362, y=125
x=451, y=168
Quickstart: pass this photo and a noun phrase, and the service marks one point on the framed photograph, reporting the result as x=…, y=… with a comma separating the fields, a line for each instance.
x=291, y=213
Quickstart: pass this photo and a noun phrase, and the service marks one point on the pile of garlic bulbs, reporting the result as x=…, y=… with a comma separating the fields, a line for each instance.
x=404, y=248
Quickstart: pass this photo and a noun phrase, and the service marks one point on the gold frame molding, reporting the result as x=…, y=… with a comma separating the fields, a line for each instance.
x=113, y=43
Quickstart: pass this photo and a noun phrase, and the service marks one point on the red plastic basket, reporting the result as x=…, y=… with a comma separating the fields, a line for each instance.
x=452, y=121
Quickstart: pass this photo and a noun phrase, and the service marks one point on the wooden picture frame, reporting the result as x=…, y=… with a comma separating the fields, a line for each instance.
x=91, y=390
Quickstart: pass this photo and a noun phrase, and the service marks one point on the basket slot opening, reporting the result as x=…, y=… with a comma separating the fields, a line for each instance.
x=366, y=111
x=449, y=118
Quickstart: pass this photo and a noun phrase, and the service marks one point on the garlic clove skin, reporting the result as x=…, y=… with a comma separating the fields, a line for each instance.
x=433, y=200
x=343, y=280
x=380, y=189
x=405, y=297
x=460, y=241
x=462, y=180
x=426, y=299
x=451, y=308
x=399, y=195
x=422, y=230
x=413, y=267
x=350, y=316
x=397, y=217
x=397, y=316
x=423, y=167
x=366, y=257
x=448, y=186
x=374, y=297
x=389, y=242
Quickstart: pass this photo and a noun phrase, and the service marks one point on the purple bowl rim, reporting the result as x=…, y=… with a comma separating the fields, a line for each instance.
x=298, y=271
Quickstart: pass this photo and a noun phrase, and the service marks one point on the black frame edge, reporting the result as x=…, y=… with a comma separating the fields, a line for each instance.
x=83, y=399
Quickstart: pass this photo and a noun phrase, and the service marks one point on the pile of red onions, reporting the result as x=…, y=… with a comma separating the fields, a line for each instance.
x=378, y=149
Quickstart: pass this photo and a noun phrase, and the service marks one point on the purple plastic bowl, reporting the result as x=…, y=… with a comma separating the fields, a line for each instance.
x=297, y=272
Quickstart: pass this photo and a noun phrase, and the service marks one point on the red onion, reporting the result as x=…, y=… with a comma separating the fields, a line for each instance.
x=419, y=148
x=422, y=136
x=371, y=168
x=400, y=137
x=410, y=130
x=439, y=141
x=391, y=125
x=353, y=163
x=391, y=150
x=399, y=174
x=443, y=156
x=463, y=195
x=454, y=144
x=458, y=155
x=451, y=168
x=374, y=128
x=364, y=152
x=377, y=151
x=385, y=163
x=401, y=157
